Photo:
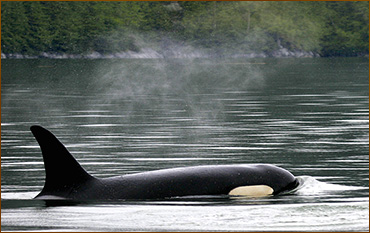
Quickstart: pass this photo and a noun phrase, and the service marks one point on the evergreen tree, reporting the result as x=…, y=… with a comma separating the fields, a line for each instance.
x=330, y=28
x=347, y=26
x=14, y=28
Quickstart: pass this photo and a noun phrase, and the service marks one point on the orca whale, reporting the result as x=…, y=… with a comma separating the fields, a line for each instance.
x=66, y=179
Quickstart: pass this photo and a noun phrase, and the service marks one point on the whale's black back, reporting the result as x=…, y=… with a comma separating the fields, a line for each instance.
x=65, y=178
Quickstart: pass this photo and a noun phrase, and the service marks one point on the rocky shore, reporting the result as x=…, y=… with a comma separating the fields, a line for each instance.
x=148, y=53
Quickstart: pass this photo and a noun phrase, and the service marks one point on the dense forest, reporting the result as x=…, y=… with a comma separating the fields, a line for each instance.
x=326, y=28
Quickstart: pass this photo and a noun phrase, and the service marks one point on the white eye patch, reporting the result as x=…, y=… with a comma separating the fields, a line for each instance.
x=252, y=191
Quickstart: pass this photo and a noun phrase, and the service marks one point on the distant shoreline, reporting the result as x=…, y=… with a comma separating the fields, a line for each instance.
x=148, y=53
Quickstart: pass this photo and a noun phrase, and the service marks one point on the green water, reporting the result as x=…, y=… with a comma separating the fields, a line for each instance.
x=309, y=116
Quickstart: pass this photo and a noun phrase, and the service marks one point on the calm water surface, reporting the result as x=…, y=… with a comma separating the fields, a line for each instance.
x=117, y=117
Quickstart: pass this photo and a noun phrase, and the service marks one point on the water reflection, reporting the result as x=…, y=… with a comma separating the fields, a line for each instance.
x=126, y=116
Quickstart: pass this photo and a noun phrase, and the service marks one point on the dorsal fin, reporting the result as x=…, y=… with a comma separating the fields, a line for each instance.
x=63, y=172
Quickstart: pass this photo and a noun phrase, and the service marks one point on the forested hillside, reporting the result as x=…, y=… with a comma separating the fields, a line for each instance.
x=326, y=28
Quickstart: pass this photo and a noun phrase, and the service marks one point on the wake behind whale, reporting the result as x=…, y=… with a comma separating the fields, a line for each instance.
x=67, y=179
